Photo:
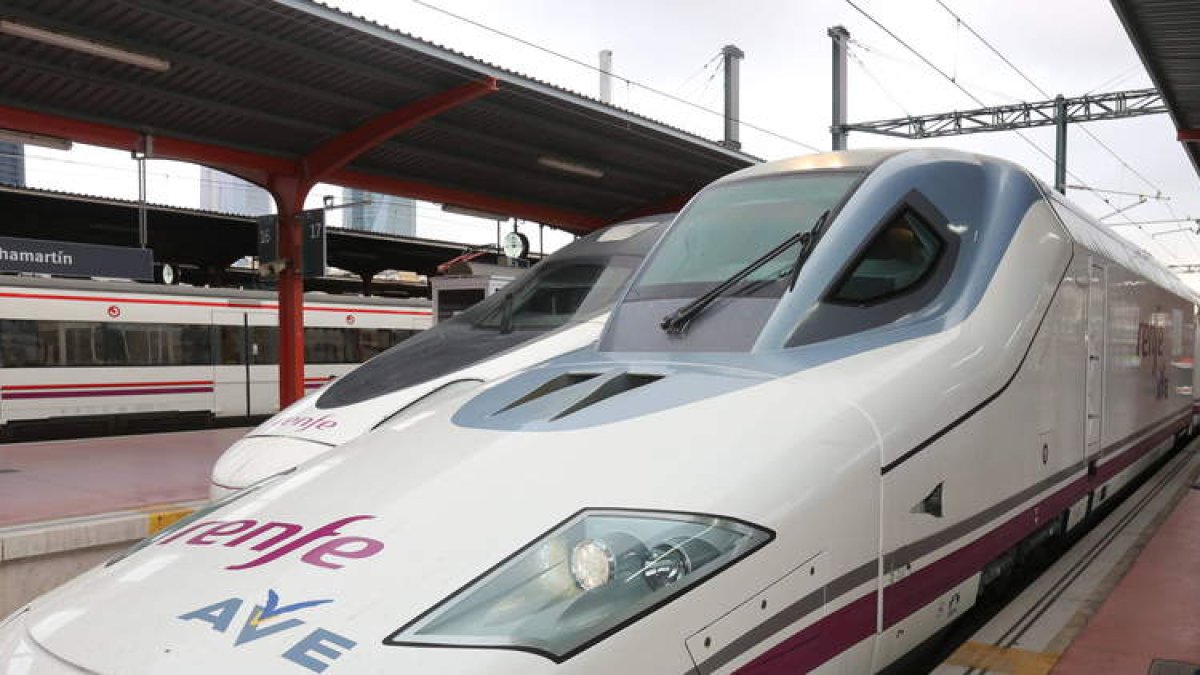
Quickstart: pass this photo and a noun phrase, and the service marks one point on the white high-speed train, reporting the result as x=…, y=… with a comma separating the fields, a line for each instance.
x=82, y=352
x=559, y=306
x=842, y=395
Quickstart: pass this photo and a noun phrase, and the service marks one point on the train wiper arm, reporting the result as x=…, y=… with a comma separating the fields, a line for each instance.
x=506, y=314
x=817, y=231
x=677, y=322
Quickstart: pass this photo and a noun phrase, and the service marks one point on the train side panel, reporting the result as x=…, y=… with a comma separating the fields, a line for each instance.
x=69, y=353
x=992, y=394
x=1101, y=392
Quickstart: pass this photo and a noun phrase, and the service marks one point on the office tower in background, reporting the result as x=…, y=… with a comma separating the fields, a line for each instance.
x=223, y=193
x=12, y=164
x=383, y=213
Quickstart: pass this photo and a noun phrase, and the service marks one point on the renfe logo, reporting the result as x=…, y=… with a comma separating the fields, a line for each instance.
x=306, y=422
x=278, y=539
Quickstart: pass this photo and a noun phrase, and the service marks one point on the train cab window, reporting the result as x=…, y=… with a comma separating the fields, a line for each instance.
x=559, y=295
x=900, y=256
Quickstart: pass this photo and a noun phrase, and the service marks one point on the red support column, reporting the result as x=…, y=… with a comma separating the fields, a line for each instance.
x=289, y=199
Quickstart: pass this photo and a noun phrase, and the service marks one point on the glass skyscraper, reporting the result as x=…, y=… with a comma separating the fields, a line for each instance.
x=12, y=164
x=384, y=213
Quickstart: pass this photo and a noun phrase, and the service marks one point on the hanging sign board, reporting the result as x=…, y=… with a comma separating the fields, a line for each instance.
x=70, y=259
x=268, y=237
x=312, y=223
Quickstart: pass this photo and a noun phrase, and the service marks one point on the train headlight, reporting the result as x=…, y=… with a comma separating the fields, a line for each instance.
x=595, y=573
x=592, y=564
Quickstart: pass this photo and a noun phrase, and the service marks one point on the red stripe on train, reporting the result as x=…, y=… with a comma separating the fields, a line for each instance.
x=203, y=303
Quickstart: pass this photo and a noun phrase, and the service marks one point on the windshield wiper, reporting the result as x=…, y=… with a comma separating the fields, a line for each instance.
x=817, y=231
x=506, y=314
x=677, y=322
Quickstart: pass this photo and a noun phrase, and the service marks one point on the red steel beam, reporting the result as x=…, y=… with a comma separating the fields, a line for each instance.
x=340, y=151
x=1188, y=135
x=242, y=162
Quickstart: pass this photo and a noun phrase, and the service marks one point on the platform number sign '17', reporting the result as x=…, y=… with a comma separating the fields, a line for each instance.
x=313, y=224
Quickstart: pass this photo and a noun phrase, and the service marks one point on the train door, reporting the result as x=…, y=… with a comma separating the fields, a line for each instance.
x=1094, y=337
x=231, y=369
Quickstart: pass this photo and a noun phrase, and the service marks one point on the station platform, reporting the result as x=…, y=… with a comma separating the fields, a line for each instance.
x=61, y=479
x=1123, y=600
x=66, y=506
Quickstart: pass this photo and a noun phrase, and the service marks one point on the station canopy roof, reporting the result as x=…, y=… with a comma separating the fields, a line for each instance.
x=1166, y=34
x=264, y=88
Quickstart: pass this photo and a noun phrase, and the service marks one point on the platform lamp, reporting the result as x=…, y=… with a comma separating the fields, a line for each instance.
x=83, y=45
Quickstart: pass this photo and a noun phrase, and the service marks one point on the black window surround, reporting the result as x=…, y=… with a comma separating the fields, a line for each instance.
x=898, y=217
x=835, y=318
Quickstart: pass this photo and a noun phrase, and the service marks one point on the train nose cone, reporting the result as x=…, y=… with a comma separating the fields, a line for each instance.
x=251, y=459
x=19, y=653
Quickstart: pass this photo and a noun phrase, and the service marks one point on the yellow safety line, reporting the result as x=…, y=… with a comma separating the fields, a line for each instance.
x=159, y=517
x=1002, y=659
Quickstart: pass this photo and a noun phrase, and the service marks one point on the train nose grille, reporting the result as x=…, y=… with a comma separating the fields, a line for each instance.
x=570, y=393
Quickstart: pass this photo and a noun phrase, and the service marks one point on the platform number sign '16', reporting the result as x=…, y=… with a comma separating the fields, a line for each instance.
x=268, y=234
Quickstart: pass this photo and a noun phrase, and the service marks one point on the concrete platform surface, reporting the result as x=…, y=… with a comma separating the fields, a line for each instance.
x=1154, y=613
x=1117, y=600
x=62, y=479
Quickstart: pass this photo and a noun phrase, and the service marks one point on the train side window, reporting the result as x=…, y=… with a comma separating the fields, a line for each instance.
x=194, y=344
x=264, y=345
x=898, y=259
x=20, y=344
x=328, y=345
x=229, y=344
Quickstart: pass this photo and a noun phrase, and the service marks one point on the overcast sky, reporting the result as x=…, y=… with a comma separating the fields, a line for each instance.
x=1064, y=46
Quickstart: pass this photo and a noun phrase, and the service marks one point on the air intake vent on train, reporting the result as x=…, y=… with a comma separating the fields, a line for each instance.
x=616, y=385
x=547, y=388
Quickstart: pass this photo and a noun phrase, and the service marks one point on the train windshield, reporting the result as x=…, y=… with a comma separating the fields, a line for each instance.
x=560, y=294
x=578, y=283
x=728, y=227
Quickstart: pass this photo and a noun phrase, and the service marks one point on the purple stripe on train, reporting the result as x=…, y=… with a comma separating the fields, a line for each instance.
x=104, y=392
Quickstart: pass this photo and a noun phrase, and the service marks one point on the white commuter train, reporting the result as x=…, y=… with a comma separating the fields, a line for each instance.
x=559, y=306
x=81, y=352
x=841, y=395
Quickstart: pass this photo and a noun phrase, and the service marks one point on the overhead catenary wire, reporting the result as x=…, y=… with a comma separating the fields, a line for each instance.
x=1158, y=196
x=682, y=88
x=628, y=81
x=1043, y=92
x=884, y=54
x=1090, y=134
x=1119, y=77
x=871, y=76
x=979, y=102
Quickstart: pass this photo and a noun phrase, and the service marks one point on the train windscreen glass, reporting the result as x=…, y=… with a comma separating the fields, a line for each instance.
x=730, y=226
x=552, y=295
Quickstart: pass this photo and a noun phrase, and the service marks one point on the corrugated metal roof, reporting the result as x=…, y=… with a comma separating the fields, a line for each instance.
x=279, y=78
x=1166, y=34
